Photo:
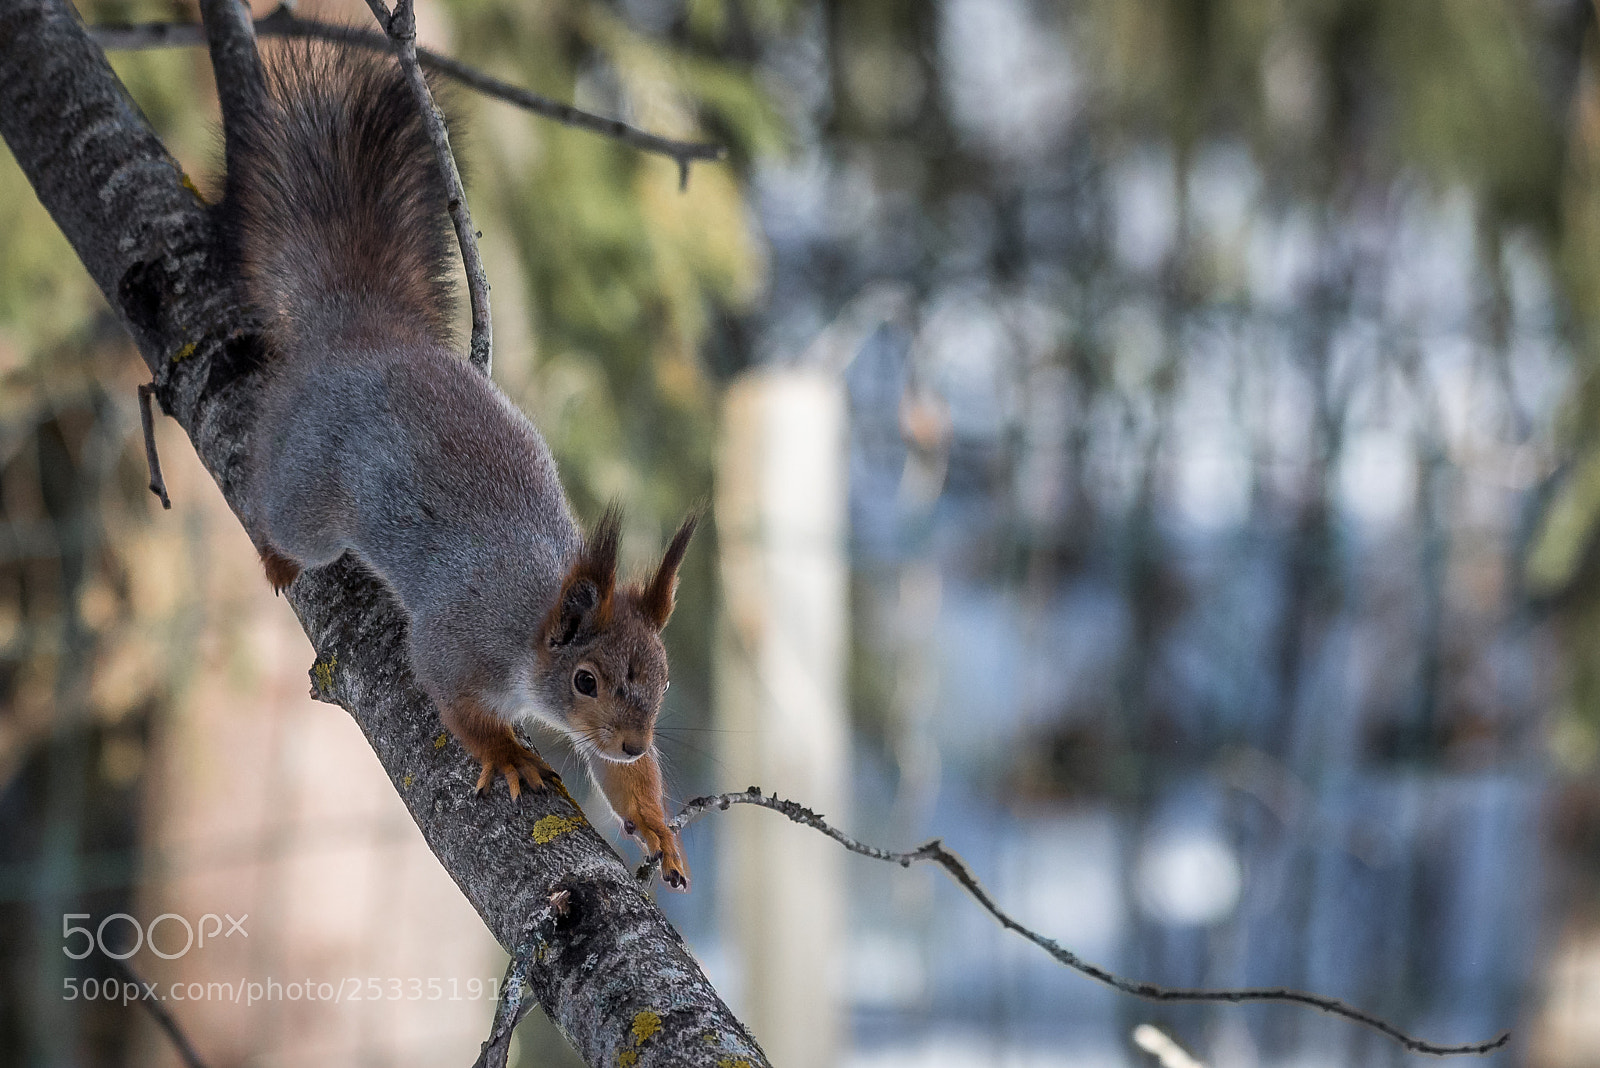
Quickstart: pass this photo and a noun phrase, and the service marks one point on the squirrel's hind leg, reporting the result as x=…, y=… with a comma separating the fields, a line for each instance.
x=279, y=568
x=495, y=746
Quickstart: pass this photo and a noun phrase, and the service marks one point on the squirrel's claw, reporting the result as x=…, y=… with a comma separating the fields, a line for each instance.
x=662, y=844
x=281, y=571
x=497, y=749
x=518, y=765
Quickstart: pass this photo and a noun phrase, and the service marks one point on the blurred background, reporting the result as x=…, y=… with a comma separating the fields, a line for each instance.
x=1152, y=446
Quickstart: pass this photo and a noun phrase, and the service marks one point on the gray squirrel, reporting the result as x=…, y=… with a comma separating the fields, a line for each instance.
x=376, y=438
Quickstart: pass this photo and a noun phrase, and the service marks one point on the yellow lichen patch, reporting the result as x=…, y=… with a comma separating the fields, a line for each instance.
x=645, y=1024
x=183, y=353
x=188, y=183
x=322, y=671
x=628, y=1058
x=552, y=827
x=439, y=742
x=729, y=1062
x=406, y=782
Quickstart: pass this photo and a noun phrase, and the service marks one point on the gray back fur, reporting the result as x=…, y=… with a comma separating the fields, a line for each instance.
x=374, y=437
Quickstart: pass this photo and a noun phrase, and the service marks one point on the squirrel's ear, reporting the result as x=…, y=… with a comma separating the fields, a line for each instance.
x=583, y=607
x=577, y=614
x=659, y=595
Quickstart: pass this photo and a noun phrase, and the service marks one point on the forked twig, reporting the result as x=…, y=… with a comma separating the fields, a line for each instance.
x=957, y=869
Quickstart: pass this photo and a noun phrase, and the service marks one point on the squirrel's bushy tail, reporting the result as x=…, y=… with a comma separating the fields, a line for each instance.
x=335, y=203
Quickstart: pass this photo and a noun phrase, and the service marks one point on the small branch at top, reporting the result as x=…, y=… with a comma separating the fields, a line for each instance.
x=284, y=23
x=401, y=26
x=957, y=869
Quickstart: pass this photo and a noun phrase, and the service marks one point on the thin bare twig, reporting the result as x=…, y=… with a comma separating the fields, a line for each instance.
x=284, y=23
x=231, y=40
x=158, y=485
x=513, y=1006
x=935, y=852
x=151, y=1000
x=515, y=1002
x=401, y=26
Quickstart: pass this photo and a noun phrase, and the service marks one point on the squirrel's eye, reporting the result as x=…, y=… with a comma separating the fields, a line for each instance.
x=584, y=682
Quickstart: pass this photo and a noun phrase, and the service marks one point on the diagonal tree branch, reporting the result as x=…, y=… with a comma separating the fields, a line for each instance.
x=152, y=248
x=284, y=23
x=958, y=870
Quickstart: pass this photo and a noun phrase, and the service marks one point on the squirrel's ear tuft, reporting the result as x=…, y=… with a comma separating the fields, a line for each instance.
x=583, y=608
x=660, y=594
x=599, y=559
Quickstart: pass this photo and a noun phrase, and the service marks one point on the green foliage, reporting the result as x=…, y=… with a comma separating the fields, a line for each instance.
x=1455, y=85
x=1469, y=105
x=45, y=294
x=614, y=276
x=620, y=274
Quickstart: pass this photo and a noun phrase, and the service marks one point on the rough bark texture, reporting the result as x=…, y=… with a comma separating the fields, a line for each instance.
x=610, y=971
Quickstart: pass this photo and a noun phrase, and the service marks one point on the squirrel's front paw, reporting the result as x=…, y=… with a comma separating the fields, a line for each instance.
x=659, y=840
x=495, y=746
x=518, y=764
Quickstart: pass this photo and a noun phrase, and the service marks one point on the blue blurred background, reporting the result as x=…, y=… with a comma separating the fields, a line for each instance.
x=1205, y=504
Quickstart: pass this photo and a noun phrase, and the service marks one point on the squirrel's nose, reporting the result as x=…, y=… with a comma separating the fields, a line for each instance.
x=629, y=749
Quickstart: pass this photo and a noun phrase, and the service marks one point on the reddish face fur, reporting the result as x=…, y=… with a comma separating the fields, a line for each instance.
x=602, y=665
